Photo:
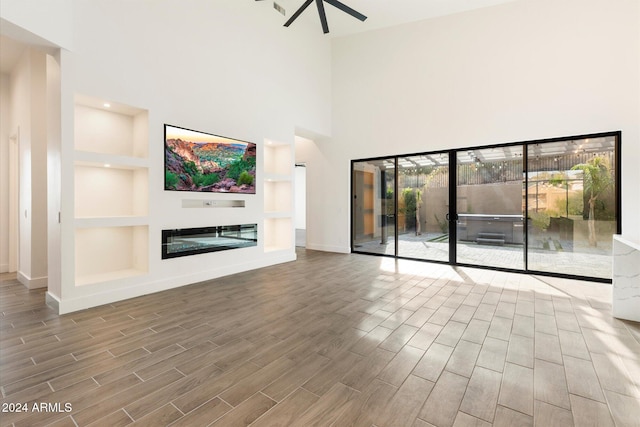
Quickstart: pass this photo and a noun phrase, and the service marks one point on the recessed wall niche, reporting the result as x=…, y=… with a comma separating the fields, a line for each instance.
x=278, y=196
x=108, y=191
x=110, y=253
x=111, y=186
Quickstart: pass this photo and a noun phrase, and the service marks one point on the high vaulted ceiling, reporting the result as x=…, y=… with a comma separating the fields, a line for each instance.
x=380, y=13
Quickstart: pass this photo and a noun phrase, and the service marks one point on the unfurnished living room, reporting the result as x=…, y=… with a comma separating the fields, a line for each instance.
x=288, y=212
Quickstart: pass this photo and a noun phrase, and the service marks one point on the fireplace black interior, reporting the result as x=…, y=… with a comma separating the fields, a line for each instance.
x=193, y=241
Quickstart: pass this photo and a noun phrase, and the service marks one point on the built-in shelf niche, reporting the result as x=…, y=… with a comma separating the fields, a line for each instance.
x=119, y=129
x=278, y=160
x=278, y=234
x=109, y=253
x=111, y=190
x=278, y=196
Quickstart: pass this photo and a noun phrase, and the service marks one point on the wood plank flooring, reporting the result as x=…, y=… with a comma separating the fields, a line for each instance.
x=328, y=340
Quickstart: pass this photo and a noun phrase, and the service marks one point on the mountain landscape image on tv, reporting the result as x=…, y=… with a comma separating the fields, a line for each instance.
x=197, y=161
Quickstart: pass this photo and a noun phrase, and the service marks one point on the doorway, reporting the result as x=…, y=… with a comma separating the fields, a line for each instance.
x=301, y=204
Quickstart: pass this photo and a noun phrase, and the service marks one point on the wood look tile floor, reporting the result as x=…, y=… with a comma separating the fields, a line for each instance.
x=328, y=340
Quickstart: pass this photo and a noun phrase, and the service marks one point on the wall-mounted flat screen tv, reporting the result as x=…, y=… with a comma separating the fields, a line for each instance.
x=198, y=161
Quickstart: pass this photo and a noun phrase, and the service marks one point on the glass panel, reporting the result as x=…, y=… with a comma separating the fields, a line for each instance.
x=572, y=206
x=193, y=241
x=373, y=222
x=423, y=205
x=490, y=228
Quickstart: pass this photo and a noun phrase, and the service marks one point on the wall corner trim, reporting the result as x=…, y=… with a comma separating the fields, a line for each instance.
x=52, y=301
x=32, y=283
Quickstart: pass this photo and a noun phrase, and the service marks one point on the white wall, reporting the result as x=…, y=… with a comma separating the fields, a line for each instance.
x=301, y=197
x=54, y=143
x=28, y=119
x=520, y=71
x=46, y=21
x=5, y=133
x=223, y=67
x=38, y=146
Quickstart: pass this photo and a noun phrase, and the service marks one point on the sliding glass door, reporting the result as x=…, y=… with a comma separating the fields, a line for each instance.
x=423, y=206
x=490, y=221
x=572, y=206
x=547, y=207
x=373, y=206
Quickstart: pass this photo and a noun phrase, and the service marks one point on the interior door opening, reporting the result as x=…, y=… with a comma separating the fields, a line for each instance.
x=301, y=204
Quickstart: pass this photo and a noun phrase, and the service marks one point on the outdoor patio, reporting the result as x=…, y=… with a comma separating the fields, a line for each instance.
x=593, y=262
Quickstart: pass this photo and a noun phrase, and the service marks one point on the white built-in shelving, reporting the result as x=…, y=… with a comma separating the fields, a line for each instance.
x=278, y=197
x=111, y=191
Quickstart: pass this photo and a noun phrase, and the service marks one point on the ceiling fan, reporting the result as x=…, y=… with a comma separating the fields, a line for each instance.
x=323, y=17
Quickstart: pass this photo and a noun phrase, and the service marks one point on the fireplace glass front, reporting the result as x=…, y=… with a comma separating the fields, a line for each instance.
x=192, y=241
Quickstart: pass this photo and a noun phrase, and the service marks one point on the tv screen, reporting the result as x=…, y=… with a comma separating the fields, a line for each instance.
x=198, y=161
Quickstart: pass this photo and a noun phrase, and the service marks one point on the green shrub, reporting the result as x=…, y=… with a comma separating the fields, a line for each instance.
x=540, y=220
x=236, y=168
x=191, y=168
x=245, y=178
x=389, y=193
x=170, y=180
x=576, y=204
x=408, y=207
x=197, y=180
x=211, y=179
x=205, y=180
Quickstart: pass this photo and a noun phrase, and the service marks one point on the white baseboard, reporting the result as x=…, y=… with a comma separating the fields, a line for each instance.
x=32, y=283
x=69, y=305
x=4, y=268
x=52, y=301
x=328, y=248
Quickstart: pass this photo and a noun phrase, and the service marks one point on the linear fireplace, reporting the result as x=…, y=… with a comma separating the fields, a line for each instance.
x=193, y=241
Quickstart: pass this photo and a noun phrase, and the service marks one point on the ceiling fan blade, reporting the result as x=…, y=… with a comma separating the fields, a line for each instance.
x=343, y=7
x=323, y=16
x=298, y=12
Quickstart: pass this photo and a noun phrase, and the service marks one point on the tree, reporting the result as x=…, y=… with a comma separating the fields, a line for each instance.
x=597, y=179
x=407, y=207
x=418, y=206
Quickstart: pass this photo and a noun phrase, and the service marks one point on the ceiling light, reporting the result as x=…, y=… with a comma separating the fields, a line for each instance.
x=106, y=105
